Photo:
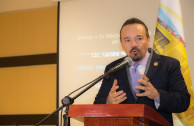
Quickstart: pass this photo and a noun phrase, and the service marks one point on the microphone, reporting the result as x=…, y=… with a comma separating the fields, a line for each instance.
x=126, y=62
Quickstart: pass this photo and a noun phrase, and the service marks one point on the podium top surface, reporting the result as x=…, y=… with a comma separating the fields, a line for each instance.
x=116, y=110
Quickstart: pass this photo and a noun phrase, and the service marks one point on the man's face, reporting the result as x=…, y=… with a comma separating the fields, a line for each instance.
x=134, y=41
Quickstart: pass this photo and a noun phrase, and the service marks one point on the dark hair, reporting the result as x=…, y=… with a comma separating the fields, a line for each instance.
x=134, y=21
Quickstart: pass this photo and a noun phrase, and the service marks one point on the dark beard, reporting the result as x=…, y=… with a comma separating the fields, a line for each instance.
x=137, y=57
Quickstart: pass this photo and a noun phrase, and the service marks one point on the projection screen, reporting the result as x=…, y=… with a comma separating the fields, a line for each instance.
x=89, y=40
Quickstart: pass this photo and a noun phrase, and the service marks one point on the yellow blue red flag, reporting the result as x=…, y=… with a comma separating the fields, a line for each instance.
x=169, y=41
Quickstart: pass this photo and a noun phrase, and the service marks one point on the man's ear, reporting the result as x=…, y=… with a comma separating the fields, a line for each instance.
x=149, y=41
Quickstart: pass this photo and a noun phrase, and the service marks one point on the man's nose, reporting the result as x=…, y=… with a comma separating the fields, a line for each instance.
x=133, y=43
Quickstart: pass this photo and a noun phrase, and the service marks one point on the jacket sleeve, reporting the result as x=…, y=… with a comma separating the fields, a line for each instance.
x=176, y=98
x=101, y=97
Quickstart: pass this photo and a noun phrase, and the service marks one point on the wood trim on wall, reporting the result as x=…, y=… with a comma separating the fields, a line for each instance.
x=27, y=119
x=29, y=60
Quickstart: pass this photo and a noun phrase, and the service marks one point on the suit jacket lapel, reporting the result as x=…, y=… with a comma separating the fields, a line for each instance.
x=153, y=65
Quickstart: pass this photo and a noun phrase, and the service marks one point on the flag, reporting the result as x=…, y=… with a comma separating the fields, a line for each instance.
x=169, y=41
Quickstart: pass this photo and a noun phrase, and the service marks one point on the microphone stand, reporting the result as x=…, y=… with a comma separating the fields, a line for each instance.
x=66, y=101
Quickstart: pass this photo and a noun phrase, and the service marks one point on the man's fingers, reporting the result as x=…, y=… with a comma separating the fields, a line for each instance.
x=141, y=88
x=115, y=82
x=116, y=94
x=141, y=94
x=144, y=80
x=115, y=97
x=120, y=98
x=114, y=87
x=144, y=77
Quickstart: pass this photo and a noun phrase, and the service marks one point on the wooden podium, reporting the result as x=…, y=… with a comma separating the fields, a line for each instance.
x=118, y=115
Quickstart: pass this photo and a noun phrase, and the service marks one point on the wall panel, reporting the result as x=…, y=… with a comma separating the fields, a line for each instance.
x=28, y=32
x=28, y=90
x=28, y=65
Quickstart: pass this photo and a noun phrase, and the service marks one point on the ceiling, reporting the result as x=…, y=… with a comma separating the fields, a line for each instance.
x=18, y=5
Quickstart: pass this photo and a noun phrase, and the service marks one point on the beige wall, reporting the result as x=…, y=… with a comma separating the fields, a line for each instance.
x=29, y=89
x=188, y=26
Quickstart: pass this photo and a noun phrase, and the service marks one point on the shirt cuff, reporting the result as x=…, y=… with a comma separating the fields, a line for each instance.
x=157, y=102
x=107, y=101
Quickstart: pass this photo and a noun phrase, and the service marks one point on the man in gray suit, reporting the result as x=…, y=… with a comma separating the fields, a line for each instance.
x=154, y=80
